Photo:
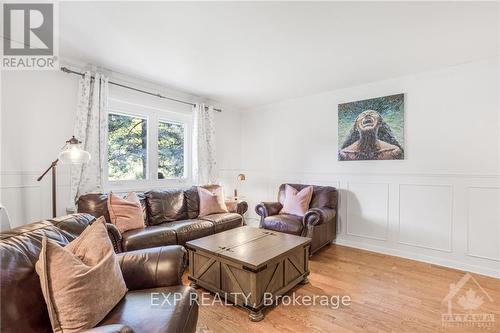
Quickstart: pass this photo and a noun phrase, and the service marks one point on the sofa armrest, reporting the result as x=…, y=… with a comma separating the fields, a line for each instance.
x=237, y=207
x=265, y=209
x=114, y=328
x=115, y=236
x=317, y=216
x=153, y=267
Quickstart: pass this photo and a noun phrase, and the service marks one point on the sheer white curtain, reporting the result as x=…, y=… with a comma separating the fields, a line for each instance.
x=204, y=156
x=90, y=128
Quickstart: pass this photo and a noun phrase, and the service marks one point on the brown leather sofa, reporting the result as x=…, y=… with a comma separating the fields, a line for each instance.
x=171, y=217
x=319, y=223
x=155, y=270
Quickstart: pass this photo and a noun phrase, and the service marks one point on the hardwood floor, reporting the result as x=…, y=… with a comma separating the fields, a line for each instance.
x=389, y=294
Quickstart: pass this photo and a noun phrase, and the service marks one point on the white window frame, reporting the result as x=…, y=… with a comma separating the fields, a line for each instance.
x=153, y=117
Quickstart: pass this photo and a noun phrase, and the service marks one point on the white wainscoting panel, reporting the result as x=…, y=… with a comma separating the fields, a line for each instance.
x=483, y=222
x=367, y=210
x=445, y=219
x=28, y=200
x=426, y=216
x=23, y=204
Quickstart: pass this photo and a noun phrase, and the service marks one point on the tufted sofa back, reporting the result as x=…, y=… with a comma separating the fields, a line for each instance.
x=159, y=205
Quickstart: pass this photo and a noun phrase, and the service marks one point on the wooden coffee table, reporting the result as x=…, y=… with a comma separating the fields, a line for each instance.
x=245, y=264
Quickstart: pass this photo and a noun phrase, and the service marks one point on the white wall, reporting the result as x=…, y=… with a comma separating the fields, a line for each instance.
x=440, y=204
x=37, y=112
x=37, y=118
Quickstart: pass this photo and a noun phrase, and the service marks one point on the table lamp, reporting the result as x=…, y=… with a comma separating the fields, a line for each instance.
x=72, y=153
x=241, y=177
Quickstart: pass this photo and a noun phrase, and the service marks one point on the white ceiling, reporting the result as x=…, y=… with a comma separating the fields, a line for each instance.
x=249, y=54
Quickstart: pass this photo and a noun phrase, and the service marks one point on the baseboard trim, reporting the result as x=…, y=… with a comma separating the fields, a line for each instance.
x=419, y=257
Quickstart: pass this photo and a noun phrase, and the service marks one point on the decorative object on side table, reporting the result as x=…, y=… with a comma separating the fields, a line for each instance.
x=72, y=153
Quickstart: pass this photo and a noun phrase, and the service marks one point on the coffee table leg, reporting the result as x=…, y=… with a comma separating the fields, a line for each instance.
x=256, y=315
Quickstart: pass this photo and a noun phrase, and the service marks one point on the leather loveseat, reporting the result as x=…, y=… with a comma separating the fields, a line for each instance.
x=171, y=217
x=156, y=270
x=319, y=223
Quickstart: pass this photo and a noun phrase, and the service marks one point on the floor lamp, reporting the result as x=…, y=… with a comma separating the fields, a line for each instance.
x=72, y=153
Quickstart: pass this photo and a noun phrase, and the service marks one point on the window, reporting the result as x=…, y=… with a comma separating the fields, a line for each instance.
x=146, y=145
x=170, y=150
x=127, y=147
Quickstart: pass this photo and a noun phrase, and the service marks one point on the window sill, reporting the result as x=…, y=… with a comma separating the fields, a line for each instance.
x=141, y=185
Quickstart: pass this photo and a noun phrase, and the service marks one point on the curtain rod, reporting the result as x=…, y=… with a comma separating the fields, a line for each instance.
x=69, y=71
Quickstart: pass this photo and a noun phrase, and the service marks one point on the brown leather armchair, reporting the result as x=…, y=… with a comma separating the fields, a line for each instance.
x=319, y=223
x=147, y=271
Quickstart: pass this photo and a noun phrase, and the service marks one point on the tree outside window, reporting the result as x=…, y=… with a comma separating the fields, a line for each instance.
x=127, y=147
x=170, y=150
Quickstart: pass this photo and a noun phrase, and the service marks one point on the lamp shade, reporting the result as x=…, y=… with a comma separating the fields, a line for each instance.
x=73, y=153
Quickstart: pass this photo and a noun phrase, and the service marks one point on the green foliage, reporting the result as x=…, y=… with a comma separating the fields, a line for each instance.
x=127, y=147
x=171, y=150
x=391, y=108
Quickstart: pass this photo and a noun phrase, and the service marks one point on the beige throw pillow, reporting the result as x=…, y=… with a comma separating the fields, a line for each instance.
x=126, y=213
x=297, y=203
x=81, y=282
x=211, y=201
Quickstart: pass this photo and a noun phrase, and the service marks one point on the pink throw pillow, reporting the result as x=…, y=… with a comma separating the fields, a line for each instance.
x=211, y=201
x=125, y=214
x=81, y=282
x=296, y=203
